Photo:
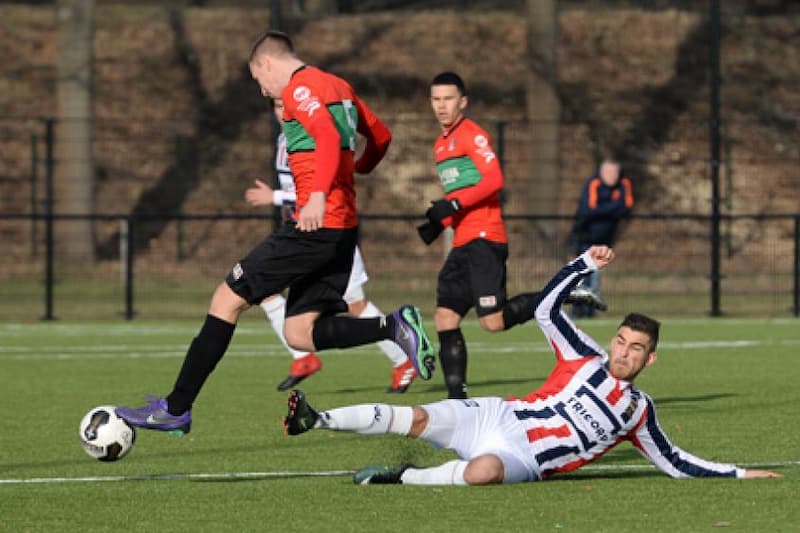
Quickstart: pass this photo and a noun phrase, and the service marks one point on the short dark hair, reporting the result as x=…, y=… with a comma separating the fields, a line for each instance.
x=450, y=78
x=643, y=324
x=272, y=41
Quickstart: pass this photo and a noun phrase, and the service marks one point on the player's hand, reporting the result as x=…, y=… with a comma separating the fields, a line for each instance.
x=429, y=231
x=752, y=474
x=601, y=255
x=261, y=194
x=311, y=215
x=441, y=209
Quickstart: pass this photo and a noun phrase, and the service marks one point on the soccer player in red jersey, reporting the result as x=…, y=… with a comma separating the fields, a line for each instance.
x=474, y=273
x=588, y=405
x=313, y=254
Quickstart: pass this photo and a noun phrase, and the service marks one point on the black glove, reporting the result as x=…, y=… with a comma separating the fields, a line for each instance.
x=441, y=209
x=429, y=231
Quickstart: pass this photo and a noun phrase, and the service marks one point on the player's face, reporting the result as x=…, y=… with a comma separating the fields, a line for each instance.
x=277, y=108
x=447, y=103
x=629, y=353
x=266, y=77
x=609, y=173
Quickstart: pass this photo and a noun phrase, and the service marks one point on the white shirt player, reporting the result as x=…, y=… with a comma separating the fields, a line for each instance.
x=286, y=198
x=580, y=413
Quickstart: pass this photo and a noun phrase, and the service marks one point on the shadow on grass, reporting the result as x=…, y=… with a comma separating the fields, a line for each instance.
x=435, y=385
x=693, y=399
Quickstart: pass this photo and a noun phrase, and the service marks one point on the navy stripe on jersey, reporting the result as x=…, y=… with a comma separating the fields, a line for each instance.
x=559, y=288
x=597, y=378
x=585, y=441
x=555, y=452
x=585, y=391
x=672, y=456
x=524, y=414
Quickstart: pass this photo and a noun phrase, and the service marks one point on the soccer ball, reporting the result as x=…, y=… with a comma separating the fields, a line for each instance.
x=104, y=435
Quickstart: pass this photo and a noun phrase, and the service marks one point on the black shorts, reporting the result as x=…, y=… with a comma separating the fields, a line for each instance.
x=314, y=265
x=474, y=275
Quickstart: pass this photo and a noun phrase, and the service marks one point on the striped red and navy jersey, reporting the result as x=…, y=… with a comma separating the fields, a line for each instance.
x=470, y=172
x=582, y=411
x=321, y=117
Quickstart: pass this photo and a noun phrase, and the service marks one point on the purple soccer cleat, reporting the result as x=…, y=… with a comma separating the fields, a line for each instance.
x=154, y=415
x=410, y=335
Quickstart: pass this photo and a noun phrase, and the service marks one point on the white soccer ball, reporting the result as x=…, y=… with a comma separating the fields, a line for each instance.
x=104, y=435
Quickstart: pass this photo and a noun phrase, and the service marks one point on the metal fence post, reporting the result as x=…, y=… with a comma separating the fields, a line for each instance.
x=713, y=123
x=34, y=194
x=796, y=306
x=126, y=251
x=48, y=227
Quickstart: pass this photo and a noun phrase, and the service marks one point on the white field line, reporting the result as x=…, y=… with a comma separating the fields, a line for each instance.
x=162, y=351
x=221, y=476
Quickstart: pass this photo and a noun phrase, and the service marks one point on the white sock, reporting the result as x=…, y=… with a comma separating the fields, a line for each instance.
x=368, y=419
x=451, y=473
x=275, y=308
x=391, y=349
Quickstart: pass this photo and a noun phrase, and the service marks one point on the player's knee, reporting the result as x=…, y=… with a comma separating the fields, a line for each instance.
x=226, y=304
x=493, y=322
x=419, y=421
x=446, y=319
x=484, y=470
x=356, y=308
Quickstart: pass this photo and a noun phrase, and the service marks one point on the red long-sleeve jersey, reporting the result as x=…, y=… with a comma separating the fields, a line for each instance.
x=470, y=172
x=321, y=117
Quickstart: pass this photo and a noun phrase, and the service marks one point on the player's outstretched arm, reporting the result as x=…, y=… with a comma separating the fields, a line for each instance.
x=752, y=474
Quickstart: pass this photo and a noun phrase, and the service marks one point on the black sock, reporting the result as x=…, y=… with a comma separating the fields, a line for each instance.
x=204, y=353
x=520, y=309
x=453, y=358
x=346, y=332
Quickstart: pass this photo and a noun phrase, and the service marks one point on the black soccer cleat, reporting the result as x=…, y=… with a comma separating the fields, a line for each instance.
x=301, y=416
x=381, y=475
x=585, y=296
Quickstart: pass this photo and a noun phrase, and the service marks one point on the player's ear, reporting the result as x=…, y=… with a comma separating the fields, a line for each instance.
x=462, y=103
x=651, y=359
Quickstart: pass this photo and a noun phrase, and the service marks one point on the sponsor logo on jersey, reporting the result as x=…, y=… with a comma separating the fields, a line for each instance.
x=481, y=141
x=301, y=93
x=449, y=175
x=452, y=145
x=307, y=103
x=486, y=153
x=583, y=413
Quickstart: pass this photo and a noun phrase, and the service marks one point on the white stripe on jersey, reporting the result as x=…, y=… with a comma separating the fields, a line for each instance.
x=285, y=177
x=582, y=411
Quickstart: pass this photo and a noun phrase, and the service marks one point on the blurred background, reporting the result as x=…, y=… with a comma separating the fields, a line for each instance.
x=130, y=130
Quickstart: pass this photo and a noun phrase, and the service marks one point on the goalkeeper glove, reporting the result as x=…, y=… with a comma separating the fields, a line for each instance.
x=441, y=209
x=429, y=231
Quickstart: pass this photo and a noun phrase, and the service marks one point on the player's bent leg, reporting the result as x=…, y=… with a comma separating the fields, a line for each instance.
x=298, y=330
x=173, y=413
x=226, y=304
x=484, y=470
x=403, y=371
x=366, y=419
x=493, y=322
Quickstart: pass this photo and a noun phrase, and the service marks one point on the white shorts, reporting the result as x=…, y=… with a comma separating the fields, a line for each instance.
x=481, y=426
x=358, y=277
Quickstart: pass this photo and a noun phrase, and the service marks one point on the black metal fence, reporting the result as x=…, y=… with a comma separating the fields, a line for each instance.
x=663, y=271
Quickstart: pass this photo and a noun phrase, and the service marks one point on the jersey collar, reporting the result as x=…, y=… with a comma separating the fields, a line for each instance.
x=446, y=133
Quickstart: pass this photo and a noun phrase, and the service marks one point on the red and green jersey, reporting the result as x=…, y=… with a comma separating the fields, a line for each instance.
x=470, y=172
x=321, y=117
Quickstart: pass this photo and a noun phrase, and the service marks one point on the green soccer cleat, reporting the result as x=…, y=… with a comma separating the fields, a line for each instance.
x=301, y=416
x=410, y=335
x=381, y=475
